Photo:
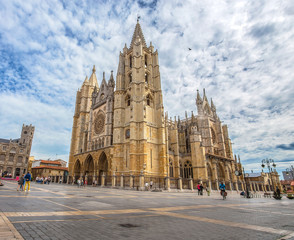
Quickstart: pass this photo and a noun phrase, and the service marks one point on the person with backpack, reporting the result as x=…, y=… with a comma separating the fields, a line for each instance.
x=20, y=183
x=28, y=179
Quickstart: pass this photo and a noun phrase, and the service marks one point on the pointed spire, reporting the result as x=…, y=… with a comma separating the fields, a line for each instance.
x=86, y=80
x=198, y=99
x=111, y=80
x=103, y=80
x=212, y=106
x=93, y=78
x=204, y=95
x=138, y=32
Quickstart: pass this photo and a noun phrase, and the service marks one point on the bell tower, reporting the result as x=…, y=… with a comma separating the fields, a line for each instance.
x=138, y=130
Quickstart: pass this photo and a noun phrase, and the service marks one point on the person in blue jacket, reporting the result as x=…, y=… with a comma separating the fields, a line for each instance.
x=28, y=179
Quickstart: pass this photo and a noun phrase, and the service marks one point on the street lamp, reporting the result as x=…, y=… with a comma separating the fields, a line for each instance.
x=290, y=171
x=269, y=163
x=246, y=175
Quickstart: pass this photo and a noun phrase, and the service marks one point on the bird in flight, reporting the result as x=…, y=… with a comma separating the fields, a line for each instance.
x=190, y=49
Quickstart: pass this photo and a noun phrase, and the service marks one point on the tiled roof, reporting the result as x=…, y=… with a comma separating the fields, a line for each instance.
x=51, y=167
x=2, y=140
x=254, y=174
x=50, y=162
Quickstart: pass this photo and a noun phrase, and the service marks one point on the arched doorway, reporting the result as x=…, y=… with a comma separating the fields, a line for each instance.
x=220, y=173
x=102, y=167
x=211, y=180
x=77, y=170
x=89, y=169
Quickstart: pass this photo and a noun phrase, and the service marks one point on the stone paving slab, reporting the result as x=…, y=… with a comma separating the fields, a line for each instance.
x=67, y=212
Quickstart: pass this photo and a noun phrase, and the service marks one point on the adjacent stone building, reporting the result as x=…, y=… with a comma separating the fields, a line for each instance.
x=263, y=181
x=56, y=169
x=14, y=153
x=122, y=136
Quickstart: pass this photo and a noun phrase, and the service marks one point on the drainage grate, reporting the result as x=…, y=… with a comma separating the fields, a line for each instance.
x=128, y=225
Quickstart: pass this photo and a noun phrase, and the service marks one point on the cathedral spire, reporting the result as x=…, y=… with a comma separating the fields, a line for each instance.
x=111, y=80
x=86, y=80
x=212, y=106
x=138, y=32
x=198, y=99
x=204, y=95
x=93, y=78
x=103, y=80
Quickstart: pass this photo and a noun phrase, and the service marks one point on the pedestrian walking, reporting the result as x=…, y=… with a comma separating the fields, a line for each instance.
x=201, y=189
x=28, y=179
x=20, y=183
x=79, y=182
x=198, y=188
x=208, y=191
x=151, y=183
x=49, y=180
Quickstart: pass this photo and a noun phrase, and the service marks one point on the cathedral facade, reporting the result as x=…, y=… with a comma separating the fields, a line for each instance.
x=121, y=133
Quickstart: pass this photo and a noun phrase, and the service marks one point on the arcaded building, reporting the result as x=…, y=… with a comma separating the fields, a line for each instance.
x=122, y=136
x=15, y=153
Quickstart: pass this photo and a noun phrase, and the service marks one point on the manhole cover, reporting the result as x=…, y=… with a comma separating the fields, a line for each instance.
x=128, y=225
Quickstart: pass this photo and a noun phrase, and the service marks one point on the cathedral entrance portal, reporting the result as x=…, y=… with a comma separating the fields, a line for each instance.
x=102, y=167
x=89, y=169
x=77, y=170
x=220, y=173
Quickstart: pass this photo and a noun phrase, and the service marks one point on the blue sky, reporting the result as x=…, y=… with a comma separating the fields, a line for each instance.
x=242, y=54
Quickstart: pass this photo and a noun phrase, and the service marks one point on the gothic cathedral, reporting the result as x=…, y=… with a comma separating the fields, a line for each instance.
x=122, y=137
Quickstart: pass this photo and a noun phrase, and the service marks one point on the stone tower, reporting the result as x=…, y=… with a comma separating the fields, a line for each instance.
x=27, y=134
x=82, y=116
x=138, y=129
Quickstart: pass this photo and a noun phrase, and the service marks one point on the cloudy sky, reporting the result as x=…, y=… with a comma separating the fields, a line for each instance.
x=241, y=54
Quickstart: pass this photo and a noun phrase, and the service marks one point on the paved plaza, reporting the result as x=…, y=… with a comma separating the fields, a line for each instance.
x=66, y=212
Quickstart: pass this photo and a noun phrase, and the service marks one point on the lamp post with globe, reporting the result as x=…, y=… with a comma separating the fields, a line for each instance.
x=290, y=171
x=269, y=163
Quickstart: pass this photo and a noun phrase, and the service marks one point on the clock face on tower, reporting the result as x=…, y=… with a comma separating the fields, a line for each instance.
x=99, y=123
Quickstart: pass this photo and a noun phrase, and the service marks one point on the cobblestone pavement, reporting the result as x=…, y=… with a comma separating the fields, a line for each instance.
x=58, y=211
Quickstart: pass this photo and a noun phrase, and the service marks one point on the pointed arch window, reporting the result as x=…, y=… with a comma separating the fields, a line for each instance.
x=213, y=136
x=171, y=168
x=131, y=77
x=148, y=100
x=188, y=172
x=128, y=100
x=181, y=170
x=146, y=60
x=146, y=78
x=130, y=61
x=102, y=142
